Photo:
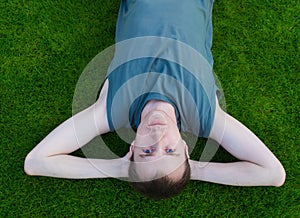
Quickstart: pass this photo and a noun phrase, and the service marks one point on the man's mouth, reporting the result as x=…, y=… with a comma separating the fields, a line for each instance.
x=157, y=119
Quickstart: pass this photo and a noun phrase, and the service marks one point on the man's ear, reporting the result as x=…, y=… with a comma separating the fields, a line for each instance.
x=129, y=154
x=186, y=149
x=131, y=148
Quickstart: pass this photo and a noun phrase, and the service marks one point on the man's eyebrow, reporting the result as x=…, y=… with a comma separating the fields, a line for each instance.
x=169, y=154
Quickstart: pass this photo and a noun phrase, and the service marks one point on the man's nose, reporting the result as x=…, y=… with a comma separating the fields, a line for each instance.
x=157, y=134
x=158, y=130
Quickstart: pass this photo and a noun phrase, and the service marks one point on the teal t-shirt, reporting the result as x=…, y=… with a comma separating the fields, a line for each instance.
x=163, y=52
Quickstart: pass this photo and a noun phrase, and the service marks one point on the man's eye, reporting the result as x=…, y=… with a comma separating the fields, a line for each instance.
x=148, y=150
x=170, y=150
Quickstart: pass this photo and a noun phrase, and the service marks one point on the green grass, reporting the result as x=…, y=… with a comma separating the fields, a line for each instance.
x=44, y=47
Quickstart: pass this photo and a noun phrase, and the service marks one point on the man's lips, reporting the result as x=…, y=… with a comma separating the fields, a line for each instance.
x=156, y=123
x=157, y=119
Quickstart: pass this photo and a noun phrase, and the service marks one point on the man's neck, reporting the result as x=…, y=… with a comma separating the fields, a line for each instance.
x=159, y=105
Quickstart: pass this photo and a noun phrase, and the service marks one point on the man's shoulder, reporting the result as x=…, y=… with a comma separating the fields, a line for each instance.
x=100, y=111
x=218, y=126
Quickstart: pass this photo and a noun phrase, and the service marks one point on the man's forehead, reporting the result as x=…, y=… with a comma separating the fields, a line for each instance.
x=163, y=162
x=165, y=158
x=154, y=170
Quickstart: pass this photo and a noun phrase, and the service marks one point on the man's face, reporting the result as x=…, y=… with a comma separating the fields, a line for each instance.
x=158, y=147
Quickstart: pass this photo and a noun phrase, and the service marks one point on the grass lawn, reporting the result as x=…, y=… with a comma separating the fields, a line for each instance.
x=44, y=47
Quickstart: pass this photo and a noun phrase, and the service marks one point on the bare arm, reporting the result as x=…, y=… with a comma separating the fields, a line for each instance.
x=50, y=157
x=258, y=165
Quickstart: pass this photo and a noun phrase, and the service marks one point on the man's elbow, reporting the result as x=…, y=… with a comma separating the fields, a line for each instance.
x=28, y=165
x=31, y=164
x=278, y=176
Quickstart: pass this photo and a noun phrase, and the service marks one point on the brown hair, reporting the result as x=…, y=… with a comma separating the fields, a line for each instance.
x=160, y=188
